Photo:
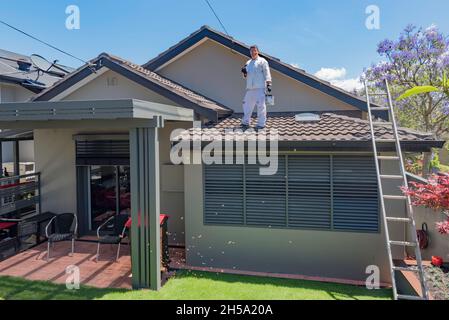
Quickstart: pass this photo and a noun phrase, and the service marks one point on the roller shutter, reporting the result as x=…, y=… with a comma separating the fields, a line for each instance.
x=102, y=152
x=266, y=197
x=309, y=192
x=223, y=194
x=355, y=201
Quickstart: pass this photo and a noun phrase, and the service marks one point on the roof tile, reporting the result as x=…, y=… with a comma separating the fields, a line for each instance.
x=330, y=127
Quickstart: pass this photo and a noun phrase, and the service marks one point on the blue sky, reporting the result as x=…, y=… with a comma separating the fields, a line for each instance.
x=309, y=33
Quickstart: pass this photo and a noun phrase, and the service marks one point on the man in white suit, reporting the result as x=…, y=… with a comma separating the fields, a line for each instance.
x=258, y=79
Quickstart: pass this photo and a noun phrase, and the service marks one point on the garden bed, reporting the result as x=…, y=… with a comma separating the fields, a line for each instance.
x=437, y=280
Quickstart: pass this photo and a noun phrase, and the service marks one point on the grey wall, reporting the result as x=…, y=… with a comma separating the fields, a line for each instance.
x=14, y=93
x=55, y=159
x=439, y=244
x=214, y=70
x=343, y=255
x=111, y=85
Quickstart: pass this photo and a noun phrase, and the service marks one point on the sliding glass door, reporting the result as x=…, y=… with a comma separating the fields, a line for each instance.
x=109, y=193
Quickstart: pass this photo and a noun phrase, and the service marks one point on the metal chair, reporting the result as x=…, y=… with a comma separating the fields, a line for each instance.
x=65, y=228
x=116, y=236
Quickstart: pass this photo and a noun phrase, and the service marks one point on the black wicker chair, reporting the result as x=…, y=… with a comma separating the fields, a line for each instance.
x=65, y=227
x=116, y=235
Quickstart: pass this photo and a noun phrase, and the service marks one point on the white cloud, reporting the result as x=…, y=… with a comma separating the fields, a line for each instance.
x=330, y=74
x=348, y=84
x=336, y=76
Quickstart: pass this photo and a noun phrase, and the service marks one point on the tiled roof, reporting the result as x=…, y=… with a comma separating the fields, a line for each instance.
x=169, y=84
x=172, y=86
x=330, y=127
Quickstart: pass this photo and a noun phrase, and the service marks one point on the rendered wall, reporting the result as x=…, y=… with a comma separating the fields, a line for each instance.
x=111, y=85
x=214, y=70
x=55, y=159
x=314, y=253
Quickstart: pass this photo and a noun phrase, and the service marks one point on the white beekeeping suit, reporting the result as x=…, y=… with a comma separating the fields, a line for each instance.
x=258, y=75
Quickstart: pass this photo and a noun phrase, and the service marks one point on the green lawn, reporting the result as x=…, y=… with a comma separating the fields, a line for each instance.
x=197, y=286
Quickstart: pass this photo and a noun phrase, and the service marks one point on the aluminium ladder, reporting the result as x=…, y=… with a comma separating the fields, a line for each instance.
x=410, y=221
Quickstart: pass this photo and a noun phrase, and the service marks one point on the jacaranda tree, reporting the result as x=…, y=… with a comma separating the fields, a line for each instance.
x=418, y=58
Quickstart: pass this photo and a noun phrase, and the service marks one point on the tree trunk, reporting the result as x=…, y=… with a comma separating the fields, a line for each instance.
x=427, y=157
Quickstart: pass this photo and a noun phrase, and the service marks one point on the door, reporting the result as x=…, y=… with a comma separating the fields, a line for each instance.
x=109, y=193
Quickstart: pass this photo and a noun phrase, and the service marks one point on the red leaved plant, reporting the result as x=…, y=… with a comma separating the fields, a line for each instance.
x=433, y=195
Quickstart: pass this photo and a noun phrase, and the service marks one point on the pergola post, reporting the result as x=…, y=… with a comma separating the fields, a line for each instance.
x=16, y=158
x=145, y=207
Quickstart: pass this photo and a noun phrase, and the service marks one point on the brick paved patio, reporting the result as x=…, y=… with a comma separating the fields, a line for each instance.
x=106, y=273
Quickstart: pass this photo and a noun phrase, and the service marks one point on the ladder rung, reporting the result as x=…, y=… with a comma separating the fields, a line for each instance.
x=403, y=243
x=382, y=123
x=387, y=158
x=385, y=140
x=377, y=94
x=411, y=268
x=394, y=219
x=407, y=297
x=390, y=197
x=393, y=177
x=380, y=108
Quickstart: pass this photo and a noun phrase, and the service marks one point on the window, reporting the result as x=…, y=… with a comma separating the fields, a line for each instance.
x=319, y=192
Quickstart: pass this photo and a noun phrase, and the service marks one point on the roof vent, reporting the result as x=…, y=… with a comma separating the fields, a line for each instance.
x=24, y=65
x=307, y=117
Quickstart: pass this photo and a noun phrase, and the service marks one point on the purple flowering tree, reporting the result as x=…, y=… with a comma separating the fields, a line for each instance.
x=417, y=61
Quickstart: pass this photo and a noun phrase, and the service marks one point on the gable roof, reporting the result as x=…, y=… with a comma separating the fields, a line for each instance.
x=332, y=130
x=275, y=63
x=149, y=79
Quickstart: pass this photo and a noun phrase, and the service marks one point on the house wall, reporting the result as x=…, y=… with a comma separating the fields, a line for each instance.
x=438, y=244
x=111, y=85
x=56, y=160
x=343, y=255
x=214, y=70
x=14, y=93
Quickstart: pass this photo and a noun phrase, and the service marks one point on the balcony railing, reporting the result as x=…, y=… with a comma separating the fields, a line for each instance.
x=20, y=195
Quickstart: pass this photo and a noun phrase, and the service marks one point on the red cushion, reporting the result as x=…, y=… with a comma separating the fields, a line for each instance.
x=7, y=225
x=162, y=219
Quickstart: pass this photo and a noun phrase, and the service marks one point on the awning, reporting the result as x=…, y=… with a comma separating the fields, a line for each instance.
x=16, y=135
x=44, y=114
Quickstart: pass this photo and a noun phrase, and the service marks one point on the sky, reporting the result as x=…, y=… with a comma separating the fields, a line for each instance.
x=328, y=38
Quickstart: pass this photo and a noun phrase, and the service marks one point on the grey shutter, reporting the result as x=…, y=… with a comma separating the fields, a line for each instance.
x=309, y=192
x=356, y=206
x=266, y=196
x=102, y=152
x=223, y=194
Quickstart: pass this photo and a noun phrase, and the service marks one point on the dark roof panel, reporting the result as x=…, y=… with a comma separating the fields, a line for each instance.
x=10, y=72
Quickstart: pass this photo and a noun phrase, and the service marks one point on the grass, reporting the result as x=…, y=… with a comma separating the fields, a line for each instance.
x=189, y=285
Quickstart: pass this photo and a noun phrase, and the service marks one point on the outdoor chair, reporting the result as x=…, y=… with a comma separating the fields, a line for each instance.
x=116, y=236
x=65, y=227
